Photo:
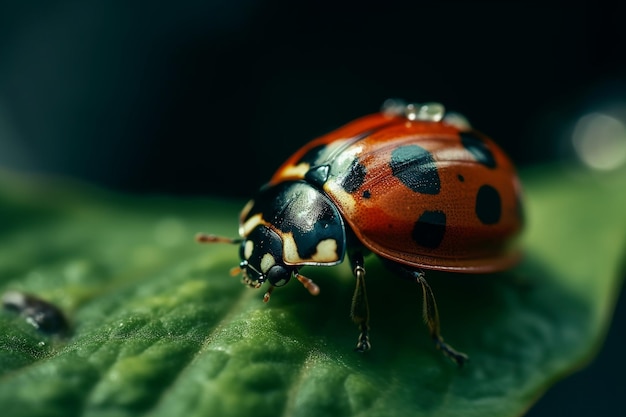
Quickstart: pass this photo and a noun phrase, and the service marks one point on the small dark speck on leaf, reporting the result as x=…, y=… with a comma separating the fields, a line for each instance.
x=41, y=314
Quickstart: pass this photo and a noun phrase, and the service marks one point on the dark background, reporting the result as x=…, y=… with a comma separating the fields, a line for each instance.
x=207, y=98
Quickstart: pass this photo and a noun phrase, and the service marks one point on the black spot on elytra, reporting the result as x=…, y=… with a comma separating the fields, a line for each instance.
x=488, y=205
x=478, y=148
x=415, y=167
x=367, y=194
x=461, y=178
x=430, y=229
x=355, y=176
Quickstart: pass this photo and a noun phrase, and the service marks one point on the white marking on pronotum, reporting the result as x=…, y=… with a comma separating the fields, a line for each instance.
x=250, y=224
x=326, y=251
x=247, y=249
x=297, y=171
x=290, y=249
x=267, y=261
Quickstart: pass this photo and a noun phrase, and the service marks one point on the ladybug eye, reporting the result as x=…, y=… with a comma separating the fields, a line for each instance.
x=278, y=275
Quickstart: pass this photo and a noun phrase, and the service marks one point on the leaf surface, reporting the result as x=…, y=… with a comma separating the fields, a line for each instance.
x=159, y=328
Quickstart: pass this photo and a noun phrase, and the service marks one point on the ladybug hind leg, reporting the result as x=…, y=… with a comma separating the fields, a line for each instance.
x=431, y=318
x=430, y=313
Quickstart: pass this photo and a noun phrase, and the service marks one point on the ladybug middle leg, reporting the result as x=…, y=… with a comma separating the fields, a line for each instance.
x=359, y=310
x=430, y=312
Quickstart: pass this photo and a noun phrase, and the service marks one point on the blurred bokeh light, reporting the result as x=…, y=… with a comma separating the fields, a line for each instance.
x=600, y=141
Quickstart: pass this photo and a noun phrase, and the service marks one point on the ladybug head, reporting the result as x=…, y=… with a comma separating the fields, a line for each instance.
x=262, y=260
x=261, y=255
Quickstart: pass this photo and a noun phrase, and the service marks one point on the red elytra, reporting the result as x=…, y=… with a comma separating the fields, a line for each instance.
x=470, y=191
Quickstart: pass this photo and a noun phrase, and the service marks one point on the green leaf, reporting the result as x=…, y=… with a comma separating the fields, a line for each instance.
x=159, y=328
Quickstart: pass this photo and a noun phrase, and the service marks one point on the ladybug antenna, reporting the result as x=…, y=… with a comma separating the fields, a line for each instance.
x=204, y=238
x=308, y=284
x=234, y=271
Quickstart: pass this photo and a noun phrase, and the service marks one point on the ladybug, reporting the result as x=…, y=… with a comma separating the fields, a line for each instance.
x=420, y=189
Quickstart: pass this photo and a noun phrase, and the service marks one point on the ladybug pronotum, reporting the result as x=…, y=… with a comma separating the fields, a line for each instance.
x=419, y=188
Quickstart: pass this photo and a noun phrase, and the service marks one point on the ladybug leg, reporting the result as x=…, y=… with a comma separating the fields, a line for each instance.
x=308, y=284
x=360, y=311
x=431, y=318
x=430, y=312
x=267, y=295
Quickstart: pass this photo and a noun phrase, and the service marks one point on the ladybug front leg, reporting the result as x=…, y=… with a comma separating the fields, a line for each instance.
x=359, y=310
